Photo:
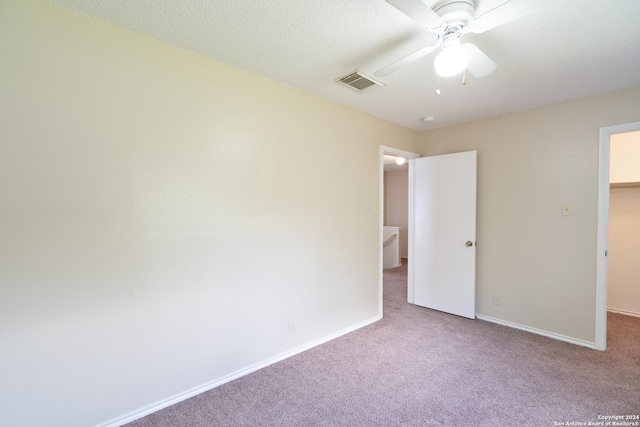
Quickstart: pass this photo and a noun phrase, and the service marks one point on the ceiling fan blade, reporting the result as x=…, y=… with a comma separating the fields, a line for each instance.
x=507, y=12
x=479, y=64
x=419, y=12
x=406, y=60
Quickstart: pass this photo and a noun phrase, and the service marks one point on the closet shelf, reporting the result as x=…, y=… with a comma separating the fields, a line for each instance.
x=624, y=185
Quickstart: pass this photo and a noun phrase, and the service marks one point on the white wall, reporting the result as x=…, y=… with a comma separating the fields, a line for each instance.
x=625, y=157
x=529, y=163
x=623, y=282
x=397, y=204
x=163, y=216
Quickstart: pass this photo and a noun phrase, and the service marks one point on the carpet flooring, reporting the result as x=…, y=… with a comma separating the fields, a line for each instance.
x=419, y=367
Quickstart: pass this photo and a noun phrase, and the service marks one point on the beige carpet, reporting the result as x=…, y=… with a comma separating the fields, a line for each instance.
x=419, y=367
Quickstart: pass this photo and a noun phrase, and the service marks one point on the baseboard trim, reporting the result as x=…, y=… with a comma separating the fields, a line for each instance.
x=548, y=334
x=625, y=312
x=143, y=412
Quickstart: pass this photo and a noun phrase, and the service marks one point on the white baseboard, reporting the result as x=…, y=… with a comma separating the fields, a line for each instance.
x=143, y=412
x=625, y=312
x=553, y=335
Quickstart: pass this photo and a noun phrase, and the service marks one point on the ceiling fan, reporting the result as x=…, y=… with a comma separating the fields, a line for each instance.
x=449, y=20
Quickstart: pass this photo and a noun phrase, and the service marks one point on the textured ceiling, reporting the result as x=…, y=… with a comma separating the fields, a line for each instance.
x=572, y=49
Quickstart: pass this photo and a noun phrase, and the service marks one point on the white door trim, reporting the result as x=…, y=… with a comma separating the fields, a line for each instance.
x=392, y=152
x=603, y=229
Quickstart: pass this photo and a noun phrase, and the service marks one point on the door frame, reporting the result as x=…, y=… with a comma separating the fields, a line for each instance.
x=603, y=228
x=398, y=153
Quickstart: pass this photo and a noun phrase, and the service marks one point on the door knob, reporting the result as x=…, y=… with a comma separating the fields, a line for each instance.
x=469, y=243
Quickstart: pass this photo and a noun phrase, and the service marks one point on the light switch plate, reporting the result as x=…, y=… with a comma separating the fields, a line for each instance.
x=567, y=209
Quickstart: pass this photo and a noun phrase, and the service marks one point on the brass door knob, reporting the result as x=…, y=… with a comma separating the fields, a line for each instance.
x=469, y=243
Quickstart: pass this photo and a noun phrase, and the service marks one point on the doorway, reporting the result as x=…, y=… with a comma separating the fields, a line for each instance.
x=623, y=278
x=391, y=154
x=604, y=194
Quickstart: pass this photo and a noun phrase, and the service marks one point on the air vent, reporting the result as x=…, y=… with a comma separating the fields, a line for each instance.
x=359, y=81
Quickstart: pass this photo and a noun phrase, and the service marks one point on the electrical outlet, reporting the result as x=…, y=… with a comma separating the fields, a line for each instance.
x=292, y=326
x=567, y=209
x=497, y=299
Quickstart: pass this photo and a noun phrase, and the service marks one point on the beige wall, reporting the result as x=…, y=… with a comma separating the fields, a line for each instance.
x=163, y=216
x=625, y=157
x=397, y=204
x=530, y=162
x=623, y=284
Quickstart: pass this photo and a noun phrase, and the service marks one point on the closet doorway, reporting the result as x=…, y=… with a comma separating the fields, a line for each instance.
x=617, y=283
x=623, y=276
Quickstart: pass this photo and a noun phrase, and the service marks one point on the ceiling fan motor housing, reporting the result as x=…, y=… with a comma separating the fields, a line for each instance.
x=458, y=13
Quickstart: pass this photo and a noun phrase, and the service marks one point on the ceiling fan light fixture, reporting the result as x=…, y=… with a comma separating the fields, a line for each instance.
x=452, y=60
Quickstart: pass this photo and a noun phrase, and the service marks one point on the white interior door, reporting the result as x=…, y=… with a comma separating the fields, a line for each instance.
x=442, y=233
